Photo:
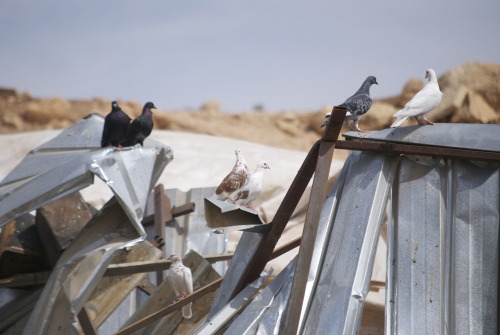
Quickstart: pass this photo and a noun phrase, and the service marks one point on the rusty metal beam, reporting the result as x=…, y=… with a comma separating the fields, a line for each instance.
x=195, y=295
x=137, y=267
x=421, y=150
x=170, y=308
x=286, y=248
x=183, y=209
x=162, y=215
x=264, y=247
x=86, y=323
x=40, y=278
x=292, y=313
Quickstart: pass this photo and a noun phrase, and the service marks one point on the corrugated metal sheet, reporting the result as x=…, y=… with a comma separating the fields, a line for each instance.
x=264, y=313
x=64, y=165
x=442, y=276
x=444, y=248
x=343, y=279
x=68, y=163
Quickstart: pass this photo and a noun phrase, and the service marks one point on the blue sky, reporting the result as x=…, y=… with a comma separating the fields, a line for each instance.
x=291, y=54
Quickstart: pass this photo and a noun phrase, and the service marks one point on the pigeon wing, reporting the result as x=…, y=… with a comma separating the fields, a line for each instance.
x=242, y=195
x=188, y=279
x=235, y=180
x=358, y=104
x=424, y=101
x=105, y=133
x=176, y=277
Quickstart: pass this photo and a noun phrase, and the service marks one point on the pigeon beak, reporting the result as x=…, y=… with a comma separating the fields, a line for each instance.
x=375, y=83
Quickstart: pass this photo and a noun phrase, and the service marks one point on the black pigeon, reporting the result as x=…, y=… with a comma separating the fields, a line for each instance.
x=141, y=127
x=357, y=105
x=116, y=124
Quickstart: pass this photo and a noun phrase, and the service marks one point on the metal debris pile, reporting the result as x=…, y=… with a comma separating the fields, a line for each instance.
x=67, y=268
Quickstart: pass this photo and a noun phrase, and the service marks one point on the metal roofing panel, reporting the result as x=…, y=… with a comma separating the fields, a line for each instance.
x=190, y=232
x=67, y=164
x=443, y=248
x=79, y=270
x=454, y=135
x=474, y=239
x=239, y=302
x=419, y=250
x=343, y=281
x=263, y=314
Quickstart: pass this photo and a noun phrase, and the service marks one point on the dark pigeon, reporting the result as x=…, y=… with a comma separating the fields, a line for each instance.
x=141, y=127
x=116, y=125
x=358, y=104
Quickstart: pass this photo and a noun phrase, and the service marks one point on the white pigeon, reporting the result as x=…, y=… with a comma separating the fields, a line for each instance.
x=235, y=180
x=181, y=280
x=252, y=189
x=423, y=102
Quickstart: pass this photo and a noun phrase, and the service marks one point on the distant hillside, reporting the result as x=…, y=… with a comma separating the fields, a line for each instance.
x=471, y=94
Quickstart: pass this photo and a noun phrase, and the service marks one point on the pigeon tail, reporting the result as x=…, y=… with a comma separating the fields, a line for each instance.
x=398, y=122
x=186, y=311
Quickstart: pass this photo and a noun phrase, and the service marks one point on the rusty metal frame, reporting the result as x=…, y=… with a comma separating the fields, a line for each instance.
x=261, y=246
x=291, y=320
x=421, y=150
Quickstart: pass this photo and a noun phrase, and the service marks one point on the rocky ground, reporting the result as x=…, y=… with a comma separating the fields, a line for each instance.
x=471, y=95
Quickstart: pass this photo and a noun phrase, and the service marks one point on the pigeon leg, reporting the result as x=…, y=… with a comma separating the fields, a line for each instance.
x=349, y=125
x=361, y=131
x=356, y=127
x=423, y=121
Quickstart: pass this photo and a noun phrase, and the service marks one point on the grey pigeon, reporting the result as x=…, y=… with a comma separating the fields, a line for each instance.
x=141, y=127
x=357, y=105
x=115, y=126
x=423, y=102
x=181, y=280
x=253, y=188
x=235, y=180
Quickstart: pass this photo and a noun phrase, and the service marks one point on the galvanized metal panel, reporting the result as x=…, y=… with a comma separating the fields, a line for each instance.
x=239, y=302
x=203, y=274
x=475, y=241
x=344, y=279
x=190, y=232
x=67, y=163
x=111, y=291
x=264, y=313
x=328, y=212
x=244, y=251
x=419, y=252
x=443, y=248
x=227, y=216
x=79, y=270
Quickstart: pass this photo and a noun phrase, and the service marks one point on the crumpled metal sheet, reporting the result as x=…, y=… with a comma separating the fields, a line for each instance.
x=69, y=162
x=342, y=281
x=239, y=302
x=190, y=232
x=79, y=270
x=64, y=165
x=454, y=135
x=264, y=313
